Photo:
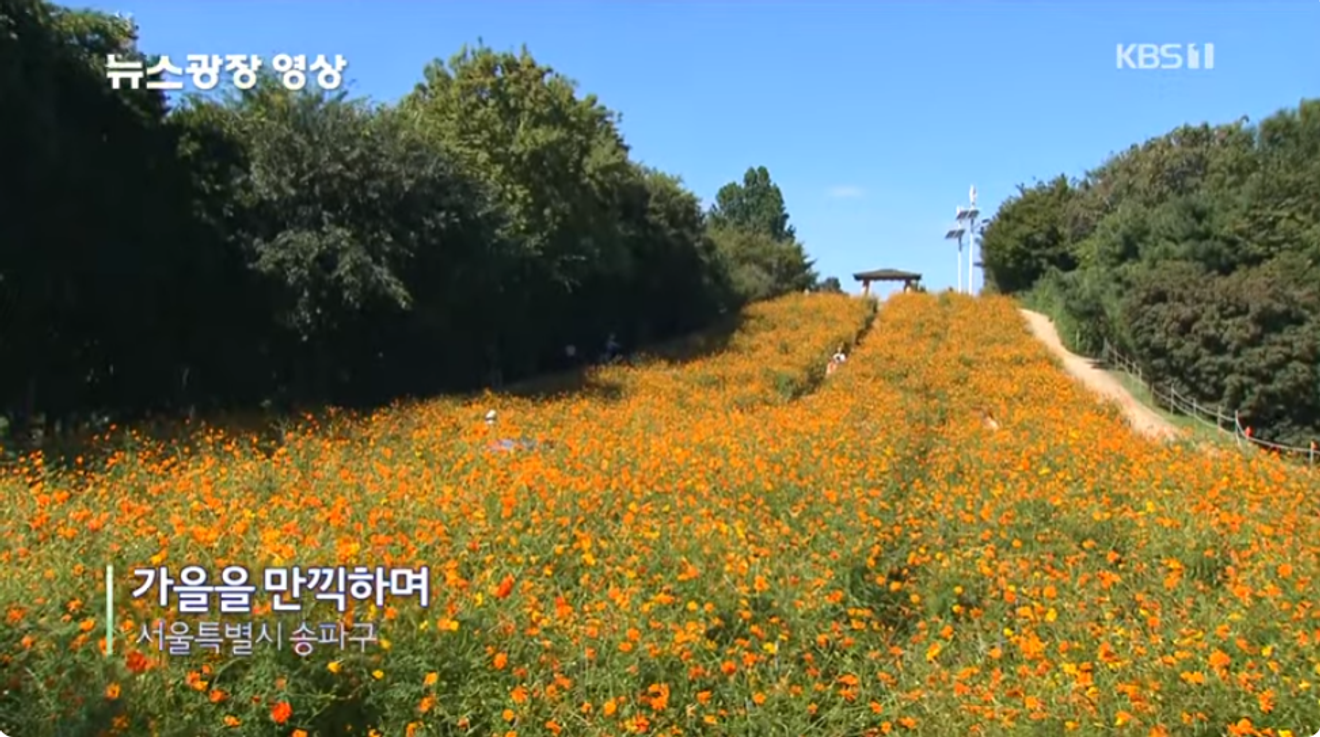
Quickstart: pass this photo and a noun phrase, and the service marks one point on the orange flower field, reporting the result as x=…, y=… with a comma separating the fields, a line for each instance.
x=727, y=544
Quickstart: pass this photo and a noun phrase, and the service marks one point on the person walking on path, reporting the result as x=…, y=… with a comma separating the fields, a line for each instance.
x=836, y=362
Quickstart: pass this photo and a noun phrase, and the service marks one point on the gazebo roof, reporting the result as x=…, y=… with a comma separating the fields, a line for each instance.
x=887, y=275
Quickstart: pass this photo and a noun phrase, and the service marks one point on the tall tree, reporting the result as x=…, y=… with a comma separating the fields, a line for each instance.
x=749, y=225
x=755, y=206
x=550, y=155
x=1028, y=237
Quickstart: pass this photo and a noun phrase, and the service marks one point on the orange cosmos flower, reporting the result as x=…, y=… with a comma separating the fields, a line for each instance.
x=280, y=712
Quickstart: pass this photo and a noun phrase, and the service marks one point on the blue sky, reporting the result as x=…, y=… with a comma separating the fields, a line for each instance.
x=873, y=116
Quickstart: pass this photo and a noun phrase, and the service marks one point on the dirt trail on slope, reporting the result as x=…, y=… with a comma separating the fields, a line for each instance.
x=1142, y=418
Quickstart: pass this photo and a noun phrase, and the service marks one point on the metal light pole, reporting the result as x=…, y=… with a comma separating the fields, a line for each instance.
x=971, y=235
x=969, y=224
x=967, y=220
x=956, y=234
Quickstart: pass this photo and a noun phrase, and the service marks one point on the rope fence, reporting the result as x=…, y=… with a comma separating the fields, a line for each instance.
x=1169, y=398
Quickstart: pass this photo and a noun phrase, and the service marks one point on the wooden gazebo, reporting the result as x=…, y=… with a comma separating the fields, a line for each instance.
x=908, y=278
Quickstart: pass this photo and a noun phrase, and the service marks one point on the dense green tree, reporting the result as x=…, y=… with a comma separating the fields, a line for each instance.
x=556, y=160
x=755, y=206
x=761, y=267
x=297, y=247
x=1198, y=253
x=749, y=224
x=1249, y=340
x=1029, y=236
x=830, y=285
x=92, y=236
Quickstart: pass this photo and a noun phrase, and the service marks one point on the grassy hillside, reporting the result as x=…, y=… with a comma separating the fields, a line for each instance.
x=703, y=543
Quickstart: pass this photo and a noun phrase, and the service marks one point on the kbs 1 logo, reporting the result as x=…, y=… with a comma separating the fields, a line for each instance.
x=1166, y=56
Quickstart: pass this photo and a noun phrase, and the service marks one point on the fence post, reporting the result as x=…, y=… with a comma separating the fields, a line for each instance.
x=1169, y=397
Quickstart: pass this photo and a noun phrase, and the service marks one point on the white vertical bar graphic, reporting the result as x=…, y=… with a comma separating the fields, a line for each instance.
x=109, y=610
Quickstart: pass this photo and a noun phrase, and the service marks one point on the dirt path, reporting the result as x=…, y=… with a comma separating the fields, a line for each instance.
x=1142, y=418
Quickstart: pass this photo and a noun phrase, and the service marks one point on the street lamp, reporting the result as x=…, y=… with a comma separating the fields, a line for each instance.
x=971, y=225
x=967, y=218
x=956, y=234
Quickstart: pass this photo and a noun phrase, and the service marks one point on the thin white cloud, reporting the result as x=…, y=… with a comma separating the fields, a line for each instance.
x=846, y=191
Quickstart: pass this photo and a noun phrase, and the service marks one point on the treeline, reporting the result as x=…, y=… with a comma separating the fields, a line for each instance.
x=292, y=248
x=1197, y=254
